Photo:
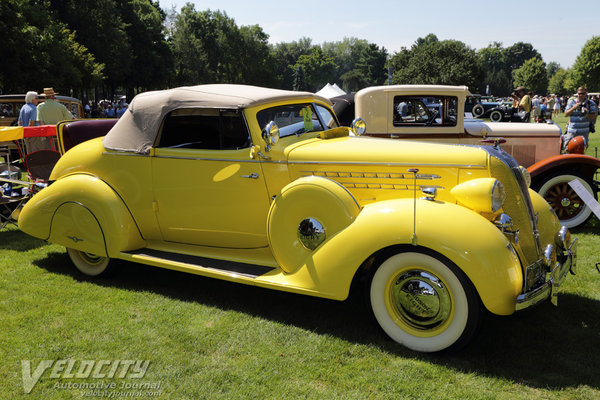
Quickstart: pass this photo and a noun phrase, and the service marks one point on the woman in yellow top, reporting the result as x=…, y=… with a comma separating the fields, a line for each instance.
x=524, y=103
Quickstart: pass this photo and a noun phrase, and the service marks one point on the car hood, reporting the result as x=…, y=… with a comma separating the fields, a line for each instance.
x=367, y=150
x=508, y=129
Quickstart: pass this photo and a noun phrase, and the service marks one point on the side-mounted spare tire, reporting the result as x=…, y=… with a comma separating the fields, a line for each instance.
x=307, y=213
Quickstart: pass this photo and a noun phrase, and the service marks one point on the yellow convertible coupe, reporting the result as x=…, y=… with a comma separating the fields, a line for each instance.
x=262, y=187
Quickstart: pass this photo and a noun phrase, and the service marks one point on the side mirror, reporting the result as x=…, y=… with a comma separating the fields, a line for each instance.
x=270, y=134
x=359, y=126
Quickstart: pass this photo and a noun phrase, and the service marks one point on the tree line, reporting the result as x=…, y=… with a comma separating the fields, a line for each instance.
x=97, y=48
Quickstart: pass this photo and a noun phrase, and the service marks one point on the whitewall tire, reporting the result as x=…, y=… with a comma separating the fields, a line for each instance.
x=424, y=303
x=90, y=264
x=570, y=209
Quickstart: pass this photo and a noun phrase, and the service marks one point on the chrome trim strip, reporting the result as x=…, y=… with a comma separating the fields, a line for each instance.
x=209, y=159
x=386, y=164
x=386, y=186
x=368, y=175
x=119, y=153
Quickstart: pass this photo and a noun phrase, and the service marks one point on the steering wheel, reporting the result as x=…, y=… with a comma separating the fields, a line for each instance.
x=431, y=119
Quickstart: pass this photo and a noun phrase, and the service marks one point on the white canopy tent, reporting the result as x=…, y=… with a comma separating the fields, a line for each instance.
x=328, y=91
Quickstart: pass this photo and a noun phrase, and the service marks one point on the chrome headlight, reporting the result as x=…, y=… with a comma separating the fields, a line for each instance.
x=498, y=196
x=526, y=175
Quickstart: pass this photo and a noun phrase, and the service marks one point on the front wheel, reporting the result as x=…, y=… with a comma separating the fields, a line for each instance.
x=423, y=302
x=478, y=110
x=568, y=206
x=90, y=264
x=496, y=116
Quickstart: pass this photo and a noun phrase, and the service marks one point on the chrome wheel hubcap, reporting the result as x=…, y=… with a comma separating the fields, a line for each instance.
x=421, y=299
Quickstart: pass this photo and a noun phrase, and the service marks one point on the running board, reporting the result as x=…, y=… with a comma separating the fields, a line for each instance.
x=247, y=270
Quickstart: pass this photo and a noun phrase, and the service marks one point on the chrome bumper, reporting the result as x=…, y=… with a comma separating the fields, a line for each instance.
x=557, y=275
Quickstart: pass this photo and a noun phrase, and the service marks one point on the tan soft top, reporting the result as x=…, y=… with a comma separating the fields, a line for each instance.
x=136, y=130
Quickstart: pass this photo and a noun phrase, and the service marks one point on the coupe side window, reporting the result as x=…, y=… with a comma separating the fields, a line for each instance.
x=209, y=129
x=425, y=111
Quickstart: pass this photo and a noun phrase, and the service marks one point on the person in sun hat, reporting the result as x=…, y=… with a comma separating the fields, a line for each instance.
x=51, y=112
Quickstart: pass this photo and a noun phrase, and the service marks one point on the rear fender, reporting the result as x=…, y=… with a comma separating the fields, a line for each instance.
x=81, y=212
x=587, y=165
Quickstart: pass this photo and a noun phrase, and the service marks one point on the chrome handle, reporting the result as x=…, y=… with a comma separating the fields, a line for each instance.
x=251, y=176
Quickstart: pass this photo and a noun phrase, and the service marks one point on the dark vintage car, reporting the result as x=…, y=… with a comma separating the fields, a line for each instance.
x=496, y=111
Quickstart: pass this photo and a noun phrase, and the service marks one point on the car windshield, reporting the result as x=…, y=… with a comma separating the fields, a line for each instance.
x=296, y=119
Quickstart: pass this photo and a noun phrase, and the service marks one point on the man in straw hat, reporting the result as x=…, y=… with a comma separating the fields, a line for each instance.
x=51, y=112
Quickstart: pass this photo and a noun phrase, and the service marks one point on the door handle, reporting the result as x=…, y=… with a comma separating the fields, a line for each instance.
x=251, y=176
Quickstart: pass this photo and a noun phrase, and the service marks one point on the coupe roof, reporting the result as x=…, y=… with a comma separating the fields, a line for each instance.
x=139, y=126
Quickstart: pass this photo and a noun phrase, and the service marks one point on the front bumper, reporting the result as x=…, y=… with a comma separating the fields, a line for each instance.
x=556, y=276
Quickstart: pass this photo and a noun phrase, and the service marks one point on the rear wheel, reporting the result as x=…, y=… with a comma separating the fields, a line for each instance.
x=90, y=264
x=423, y=302
x=567, y=205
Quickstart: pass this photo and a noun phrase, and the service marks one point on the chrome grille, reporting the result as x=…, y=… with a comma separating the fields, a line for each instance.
x=513, y=166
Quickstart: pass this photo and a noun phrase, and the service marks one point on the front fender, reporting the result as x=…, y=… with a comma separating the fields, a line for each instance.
x=481, y=251
x=82, y=212
x=575, y=162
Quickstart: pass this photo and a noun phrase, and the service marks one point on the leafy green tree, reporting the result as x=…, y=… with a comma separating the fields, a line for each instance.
x=499, y=63
x=430, y=61
x=359, y=63
x=532, y=75
x=558, y=81
x=38, y=50
x=285, y=56
x=190, y=59
x=258, y=67
x=354, y=80
x=299, y=79
x=151, y=59
x=516, y=55
x=319, y=69
x=551, y=68
x=586, y=70
x=496, y=74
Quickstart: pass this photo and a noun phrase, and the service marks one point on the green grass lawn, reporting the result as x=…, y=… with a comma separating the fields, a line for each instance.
x=209, y=339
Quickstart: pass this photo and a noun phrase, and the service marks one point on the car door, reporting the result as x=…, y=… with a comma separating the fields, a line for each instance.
x=207, y=190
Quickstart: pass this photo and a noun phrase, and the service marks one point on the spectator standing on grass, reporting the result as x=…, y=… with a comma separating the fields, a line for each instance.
x=535, y=107
x=524, y=103
x=51, y=112
x=582, y=114
x=556, y=108
x=28, y=113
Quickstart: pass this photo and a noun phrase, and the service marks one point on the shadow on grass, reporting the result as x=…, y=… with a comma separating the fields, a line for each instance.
x=547, y=347
x=11, y=238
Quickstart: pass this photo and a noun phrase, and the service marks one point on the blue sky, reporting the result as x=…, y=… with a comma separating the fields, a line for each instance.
x=548, y=25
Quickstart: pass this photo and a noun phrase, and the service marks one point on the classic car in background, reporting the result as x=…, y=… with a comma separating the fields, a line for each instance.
x=262, y=187
x=535, y=146
x=10, y=107
x=496, y=111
